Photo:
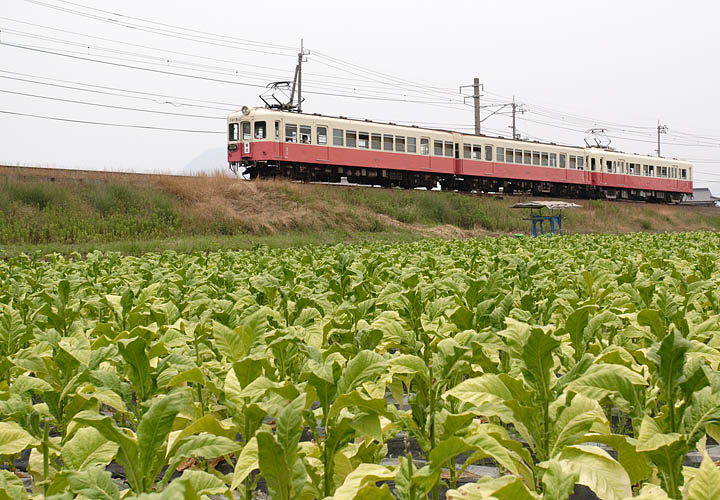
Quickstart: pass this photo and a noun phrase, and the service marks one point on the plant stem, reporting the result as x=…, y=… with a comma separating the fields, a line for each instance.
x=46, y=456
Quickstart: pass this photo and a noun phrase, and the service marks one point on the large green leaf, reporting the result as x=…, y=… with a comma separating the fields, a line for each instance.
x=558, y=484
x=365, y=366
x=246, y=462
x=502, y=488
x=14, y=439
x=574, y=422
x=11, y=486
x=366, y=475
x=93, y=483
x=274, y=466
x=154, y=428
x=538, y=358
x=706, y=483
x=596, y=470
x=615, y=382
x=88, y=448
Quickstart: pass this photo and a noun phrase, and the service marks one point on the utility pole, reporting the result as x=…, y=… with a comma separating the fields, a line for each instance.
x=297, y=81
x=476, y=101
x=661, y=129
x=515, y=108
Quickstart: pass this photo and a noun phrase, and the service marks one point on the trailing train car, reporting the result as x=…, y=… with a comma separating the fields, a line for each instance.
x=311, y=147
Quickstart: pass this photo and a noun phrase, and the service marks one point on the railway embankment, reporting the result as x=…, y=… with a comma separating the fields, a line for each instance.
x=81, y=210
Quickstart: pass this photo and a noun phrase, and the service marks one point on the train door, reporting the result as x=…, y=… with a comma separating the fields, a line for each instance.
x=457, y=168
x=277, y=140
x=321, y=139
x=425, y=153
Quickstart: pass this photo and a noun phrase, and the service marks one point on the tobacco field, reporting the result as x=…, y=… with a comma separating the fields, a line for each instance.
x=498, y=368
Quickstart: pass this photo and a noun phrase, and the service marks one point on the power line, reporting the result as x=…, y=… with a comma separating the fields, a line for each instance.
x=239, y=40
x=116, y=94
x=163, y=32
x=124, y=108
x=107, y=124
x=218, y=80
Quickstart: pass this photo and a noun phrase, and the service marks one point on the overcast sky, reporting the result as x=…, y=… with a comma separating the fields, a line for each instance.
x=575, y=65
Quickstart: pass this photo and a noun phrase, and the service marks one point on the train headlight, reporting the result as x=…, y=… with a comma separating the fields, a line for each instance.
x=245, y=110
x=232, y=147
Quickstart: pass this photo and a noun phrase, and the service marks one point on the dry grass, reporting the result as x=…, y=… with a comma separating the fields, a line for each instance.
x=218, y=203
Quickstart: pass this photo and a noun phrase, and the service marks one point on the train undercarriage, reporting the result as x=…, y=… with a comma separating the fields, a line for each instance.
x=370, y=176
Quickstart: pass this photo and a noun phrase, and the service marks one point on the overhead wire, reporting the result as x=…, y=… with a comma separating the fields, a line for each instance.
x=109, y=124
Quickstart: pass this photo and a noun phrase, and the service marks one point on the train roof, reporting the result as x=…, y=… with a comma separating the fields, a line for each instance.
x=240, y=114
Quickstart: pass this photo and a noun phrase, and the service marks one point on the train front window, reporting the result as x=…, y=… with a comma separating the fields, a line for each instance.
x=260, y=130
x=233, y=132
x=246, y=131
x=322, y=136
x=411, y=145
x=290, y=132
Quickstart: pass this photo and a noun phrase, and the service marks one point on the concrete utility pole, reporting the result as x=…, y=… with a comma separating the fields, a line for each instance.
x=476, y=101
x=297, y=81
x=661, y=129
x=515, y=108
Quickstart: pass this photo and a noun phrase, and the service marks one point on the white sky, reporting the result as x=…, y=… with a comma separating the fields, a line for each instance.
x=614, y=64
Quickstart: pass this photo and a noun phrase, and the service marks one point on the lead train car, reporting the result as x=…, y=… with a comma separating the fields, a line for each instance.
x=270, y=143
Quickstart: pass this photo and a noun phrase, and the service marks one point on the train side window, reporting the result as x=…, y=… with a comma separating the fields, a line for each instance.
x=438, y=148
x=277, y=130
x=305, y=134
x=338, y=137
x=290, y=132
x=411, y=145
x=518, y=156
x=528, y=157
x=580, y=163
x=631, y=168
x=364, y=140
x=233, y=132
x=350, y=138
x=508, y=156
x=593, y=167
x=545, y=160
x=376, y=141
x=683, y=173
x=500, y=154
x=573, y=162
x=260, y=130
x=467, y=151
x=651, y=170
x=449, y=149
x=562, y=160
x=387, y=142
x=246, y=131
x=400, y=144
x=536, y=158
x=608, y=165
x=553, y=159
x=477, y=152
x=322, y=136
x=424, y=146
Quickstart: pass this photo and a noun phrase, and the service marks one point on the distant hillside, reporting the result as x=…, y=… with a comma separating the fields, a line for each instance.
x=68, y=210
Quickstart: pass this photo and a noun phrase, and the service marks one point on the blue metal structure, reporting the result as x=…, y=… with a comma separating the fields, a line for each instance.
x=537, y=218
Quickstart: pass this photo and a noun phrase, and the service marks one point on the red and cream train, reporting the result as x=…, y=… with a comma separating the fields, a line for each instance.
x=270, y=143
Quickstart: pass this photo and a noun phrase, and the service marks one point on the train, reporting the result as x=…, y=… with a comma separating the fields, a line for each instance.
x=268, y=143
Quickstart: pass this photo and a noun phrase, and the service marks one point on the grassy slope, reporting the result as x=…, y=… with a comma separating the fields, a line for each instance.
x=136, y=213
